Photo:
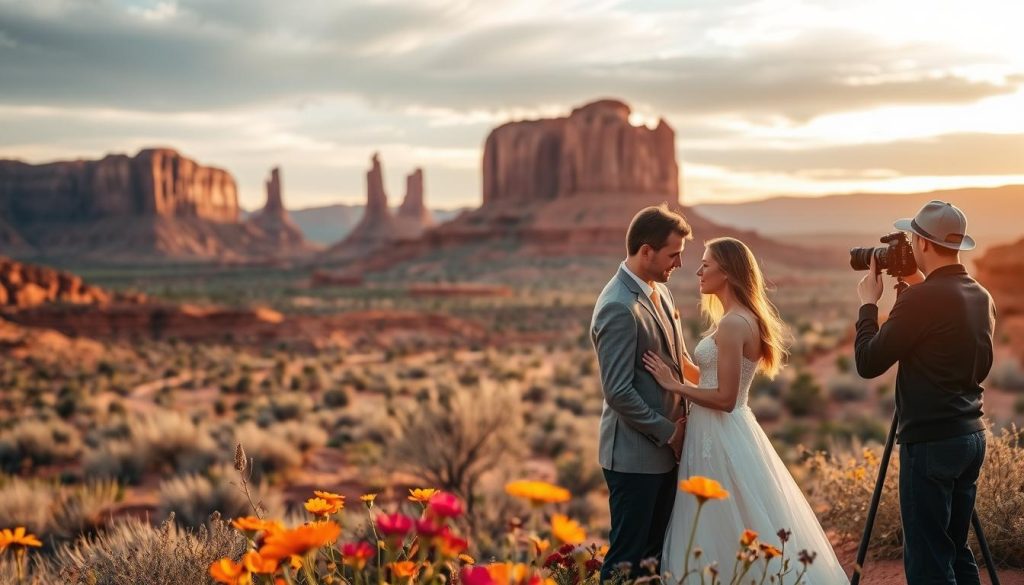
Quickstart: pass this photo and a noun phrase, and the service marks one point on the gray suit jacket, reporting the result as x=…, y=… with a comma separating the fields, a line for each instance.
x=637, y=418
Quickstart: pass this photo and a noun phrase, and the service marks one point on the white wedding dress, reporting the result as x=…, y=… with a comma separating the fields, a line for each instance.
x=732, y=449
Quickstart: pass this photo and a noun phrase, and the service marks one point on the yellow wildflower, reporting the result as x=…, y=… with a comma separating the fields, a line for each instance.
x=566, y=530
x=422, y=495
x=538, y=492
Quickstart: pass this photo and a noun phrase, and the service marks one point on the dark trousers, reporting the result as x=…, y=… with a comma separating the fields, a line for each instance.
x=938, y=484
x=641, y=506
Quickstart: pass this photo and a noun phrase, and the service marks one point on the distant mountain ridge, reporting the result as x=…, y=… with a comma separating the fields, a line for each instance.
x=993, y=214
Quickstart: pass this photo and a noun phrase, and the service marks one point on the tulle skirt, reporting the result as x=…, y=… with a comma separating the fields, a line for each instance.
x=732, y=449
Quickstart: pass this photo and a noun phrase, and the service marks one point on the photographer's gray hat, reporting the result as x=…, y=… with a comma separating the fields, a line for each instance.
x=941, y=223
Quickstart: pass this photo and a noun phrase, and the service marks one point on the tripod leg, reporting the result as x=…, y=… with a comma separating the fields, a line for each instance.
x=876, y=497
x=985, y=552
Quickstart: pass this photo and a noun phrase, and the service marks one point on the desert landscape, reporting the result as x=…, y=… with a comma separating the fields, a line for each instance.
x=167, y=335
x=302, y=293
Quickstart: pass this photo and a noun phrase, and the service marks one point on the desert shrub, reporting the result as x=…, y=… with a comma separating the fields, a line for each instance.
x=564, y=376
x=39, y=571
x=84, y=509
x=118, y=459
x=1008, y=375
x=570, y=401
x=843, y=363
x=862, y=428
x=305, y=435
x=26, y=503
x=54, y=512
x=791, y=433
x=580, y=473
x=469, y=378
x=766, y=408
x=847, y=388
x=414, y=373
x=773, y=387
x=172, y=442
x=842, y=485
x=453, y=442
x=337, y=398
x=535, y=393
x=276, y=455
x=68, y=402
x=804, y=395
x=35, y=442
x=191, y=499
x=359, y=381
x=287, y=407
x=133, y=552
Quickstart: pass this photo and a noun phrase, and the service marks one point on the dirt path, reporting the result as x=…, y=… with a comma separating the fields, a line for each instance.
x=890, y=572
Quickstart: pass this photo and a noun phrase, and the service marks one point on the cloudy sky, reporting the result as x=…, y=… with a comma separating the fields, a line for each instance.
x=766, y=97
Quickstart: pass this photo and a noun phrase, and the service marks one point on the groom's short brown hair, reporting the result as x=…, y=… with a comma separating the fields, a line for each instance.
x=652, y=225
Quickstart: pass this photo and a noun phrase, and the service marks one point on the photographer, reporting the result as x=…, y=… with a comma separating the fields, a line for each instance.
x=940, y=332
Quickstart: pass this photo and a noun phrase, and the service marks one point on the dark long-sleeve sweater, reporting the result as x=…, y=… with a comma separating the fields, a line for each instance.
x=940, y=332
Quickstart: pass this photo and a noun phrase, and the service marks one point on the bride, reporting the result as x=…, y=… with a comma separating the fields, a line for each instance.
x=723, y=439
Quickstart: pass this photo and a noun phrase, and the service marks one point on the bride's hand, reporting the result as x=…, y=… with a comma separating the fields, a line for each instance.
x=660, y=370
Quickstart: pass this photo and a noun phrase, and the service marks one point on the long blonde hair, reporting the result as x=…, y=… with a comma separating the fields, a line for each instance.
x=747, y=285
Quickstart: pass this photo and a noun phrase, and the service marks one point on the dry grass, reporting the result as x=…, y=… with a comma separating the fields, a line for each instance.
x=134, y=552
x=32, y=443
x=190, y=499
x=842, y=485
x=56, y=512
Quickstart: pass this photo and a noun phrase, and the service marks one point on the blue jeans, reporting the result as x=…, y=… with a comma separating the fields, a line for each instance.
x=938, y=484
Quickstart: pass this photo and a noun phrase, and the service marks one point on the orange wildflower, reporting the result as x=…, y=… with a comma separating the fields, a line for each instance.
x=770, y=552
x=538, y=492
x=704, y=488
x=566, y=530
x=540, y=545
x=422, y=495
x=17, y=537
x=254, y=524
x=299, y=541
x=508, y=573
x=368, y=499
x=404, y=570
x=230, y=572
x=255, y=563
x=748, y=537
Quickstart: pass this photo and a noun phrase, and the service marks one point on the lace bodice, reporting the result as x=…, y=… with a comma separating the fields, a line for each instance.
x=705, y=355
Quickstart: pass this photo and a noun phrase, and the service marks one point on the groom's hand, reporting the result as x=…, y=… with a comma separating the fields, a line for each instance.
x=676, y=440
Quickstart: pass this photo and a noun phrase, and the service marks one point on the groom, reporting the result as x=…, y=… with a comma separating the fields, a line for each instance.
x=642, y=426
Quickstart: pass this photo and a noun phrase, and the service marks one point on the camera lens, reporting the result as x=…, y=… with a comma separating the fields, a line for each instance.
x=860, y=258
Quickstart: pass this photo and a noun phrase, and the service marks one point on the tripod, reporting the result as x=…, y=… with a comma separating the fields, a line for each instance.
x=862, y=551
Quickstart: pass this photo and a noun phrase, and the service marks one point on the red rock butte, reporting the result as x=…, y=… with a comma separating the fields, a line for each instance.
x=380, y=226
x=157, y=204
x=593, y=151
x=552, y=187
x=155, y=182
x=275, y=222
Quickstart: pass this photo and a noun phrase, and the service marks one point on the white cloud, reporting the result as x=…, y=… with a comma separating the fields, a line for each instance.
x=317, y=85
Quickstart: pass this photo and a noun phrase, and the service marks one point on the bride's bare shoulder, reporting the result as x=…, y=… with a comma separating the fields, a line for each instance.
x=731, y=327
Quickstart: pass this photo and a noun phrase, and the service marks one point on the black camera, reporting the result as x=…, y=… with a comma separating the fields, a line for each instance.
x=897, y=257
